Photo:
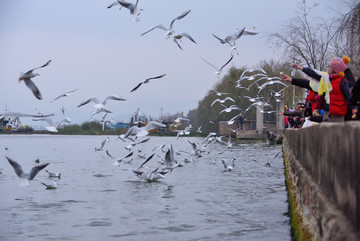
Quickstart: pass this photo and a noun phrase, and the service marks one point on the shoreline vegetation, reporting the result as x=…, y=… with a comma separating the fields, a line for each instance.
x=93, y=128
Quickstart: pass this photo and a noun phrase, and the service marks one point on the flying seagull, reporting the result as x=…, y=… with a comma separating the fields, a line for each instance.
x=222, y=101
x=24, y=175
x=147, y=81
x=134, y=10
x=26, y=77
x=178, y=37
x=64, y=95
x=143, y=131
x=100, y=105
x=105, y=140
x=170, y=30
x=117, y=159
x=218, y=71
x=231, y=39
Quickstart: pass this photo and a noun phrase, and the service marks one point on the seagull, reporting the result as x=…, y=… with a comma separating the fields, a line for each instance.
x=229, y=109
x=198, y=151
x=231, y=39
x=50, y=186
x=23, y=175
x=18, y=115
x=186, y=131
x=271, y=137
x=117, y=159
x=26, y=77
x=250, y=71
x=218, y=71
x=228, y=167
x=53, y=126
x=100, y=105
x=220, y=93
x=147, y=81
x=150, y=176
x=199, y=129
x=222, y=101
x=170, y=162
x=134, y=10
x=261, y=87
x=170, y=30
x=117, y=2
x=178, y=37
x=64, y=95
x=232, y=120
x=105, y=140
x=134, y=143
x=143, y=131
x=54, y=175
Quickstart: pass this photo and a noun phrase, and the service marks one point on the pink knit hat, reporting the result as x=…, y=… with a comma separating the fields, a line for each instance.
x=338, y=65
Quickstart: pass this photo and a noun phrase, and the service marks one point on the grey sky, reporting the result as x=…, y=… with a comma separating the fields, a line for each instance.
x=100, y=51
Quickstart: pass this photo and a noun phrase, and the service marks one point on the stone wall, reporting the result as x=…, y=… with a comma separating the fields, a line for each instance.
x=322, y=165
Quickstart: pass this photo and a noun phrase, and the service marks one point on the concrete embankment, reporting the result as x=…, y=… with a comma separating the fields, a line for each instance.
x=322, y=165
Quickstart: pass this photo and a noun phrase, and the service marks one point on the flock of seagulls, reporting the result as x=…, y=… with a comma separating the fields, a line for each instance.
x=135, y=136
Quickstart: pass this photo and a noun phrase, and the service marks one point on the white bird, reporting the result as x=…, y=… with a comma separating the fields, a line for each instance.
x=105, y=140
x=199, y=129
x=26, y=77
x=186, y=131
x=147, y=81
x=150, y=176
x=220, y=93
x=170, y=162
x=178, y=37
x=232, y=120
x=54, y=175
x=134, y=143
x=143, y=131
x=229, y=109
x=98, y=103
x=250, y=71
x=218, y=70
x=53, y=125
x=100, y=106
x=168, y=31
x=19, y=115
x=228, y=166
x=24, y=175
x=261, y=87
x=64, y=95
x=117, y=159
x=231, y=39
x=197, y=150
x=50, y=186
x=222, y=101
x=134, y=10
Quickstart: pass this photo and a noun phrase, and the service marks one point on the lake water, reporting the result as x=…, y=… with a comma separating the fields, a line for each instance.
x=96, y=201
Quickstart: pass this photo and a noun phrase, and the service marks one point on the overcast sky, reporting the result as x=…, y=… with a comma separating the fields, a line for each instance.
x=100, y=52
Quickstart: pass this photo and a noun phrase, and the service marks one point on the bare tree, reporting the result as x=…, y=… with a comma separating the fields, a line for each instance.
x=307, y=40
x=347, y=42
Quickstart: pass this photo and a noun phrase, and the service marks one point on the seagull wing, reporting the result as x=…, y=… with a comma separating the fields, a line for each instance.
x=186, y=35
x=154, y=125
x=217, y=100
x=127, y=5
x=227, y=62
x=35, y=90
x=179, y=17
x=136, y=87
x=111, y=156
x=209, y=64
x=42, y=66
x=91, y=99
x=224, y=163
x=113, y=97
x=148, y=159
x=160, y=26
x=220, y=39
x=17, y=167
x=36, y=169
x=156, y=77
x=177, y=43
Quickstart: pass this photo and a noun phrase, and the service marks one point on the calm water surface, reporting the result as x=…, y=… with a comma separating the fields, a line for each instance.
x=97, y=201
